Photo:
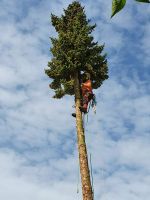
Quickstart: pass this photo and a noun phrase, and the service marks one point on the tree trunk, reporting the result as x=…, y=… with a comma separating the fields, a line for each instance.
x=83, y=157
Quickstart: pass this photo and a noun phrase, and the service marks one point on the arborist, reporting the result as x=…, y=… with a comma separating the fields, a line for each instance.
x=87, y=93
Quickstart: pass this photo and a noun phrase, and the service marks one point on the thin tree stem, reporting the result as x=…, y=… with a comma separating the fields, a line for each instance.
x=83, y=157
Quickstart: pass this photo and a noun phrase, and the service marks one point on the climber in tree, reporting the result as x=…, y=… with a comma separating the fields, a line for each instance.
x=86, y=91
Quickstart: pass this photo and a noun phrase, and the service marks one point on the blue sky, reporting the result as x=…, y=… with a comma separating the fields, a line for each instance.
x=38, y=150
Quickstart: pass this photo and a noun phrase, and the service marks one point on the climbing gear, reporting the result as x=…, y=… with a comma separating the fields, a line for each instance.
x=91, y=174
x=94, y=103
x=89, y=100
x=86, y=99
x=83, y=109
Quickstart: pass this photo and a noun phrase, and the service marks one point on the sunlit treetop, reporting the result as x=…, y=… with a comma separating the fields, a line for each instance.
x=74, y=50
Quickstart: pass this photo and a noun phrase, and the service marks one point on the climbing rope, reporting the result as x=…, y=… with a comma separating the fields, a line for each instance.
x=91, y=174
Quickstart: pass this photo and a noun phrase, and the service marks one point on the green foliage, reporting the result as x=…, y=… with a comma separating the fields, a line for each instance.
x=143, y=1
x=118, y=5
x=74, y=50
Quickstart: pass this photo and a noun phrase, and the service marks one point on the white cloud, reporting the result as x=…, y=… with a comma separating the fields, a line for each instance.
x=38, y=142
x=21, y=185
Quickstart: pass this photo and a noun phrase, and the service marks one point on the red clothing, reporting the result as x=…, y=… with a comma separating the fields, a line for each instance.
x=86, y=87
x=86, y=91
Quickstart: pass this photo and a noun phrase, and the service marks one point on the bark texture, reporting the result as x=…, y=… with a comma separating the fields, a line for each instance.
x=83, y=157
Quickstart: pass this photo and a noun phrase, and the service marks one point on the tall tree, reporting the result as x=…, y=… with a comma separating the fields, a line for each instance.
x=74, y=53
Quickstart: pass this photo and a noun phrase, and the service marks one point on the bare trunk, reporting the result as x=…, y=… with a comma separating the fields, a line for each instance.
x=83, y=158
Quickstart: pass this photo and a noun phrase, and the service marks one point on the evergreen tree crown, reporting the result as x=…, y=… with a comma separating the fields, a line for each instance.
x=74, y=50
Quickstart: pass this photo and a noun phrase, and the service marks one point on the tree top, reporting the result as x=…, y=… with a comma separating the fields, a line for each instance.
x=74, y=50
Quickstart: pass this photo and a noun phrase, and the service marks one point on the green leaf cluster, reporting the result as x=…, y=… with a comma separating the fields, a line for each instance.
x=143, y=1
x=118, y=5
x=74, y=50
